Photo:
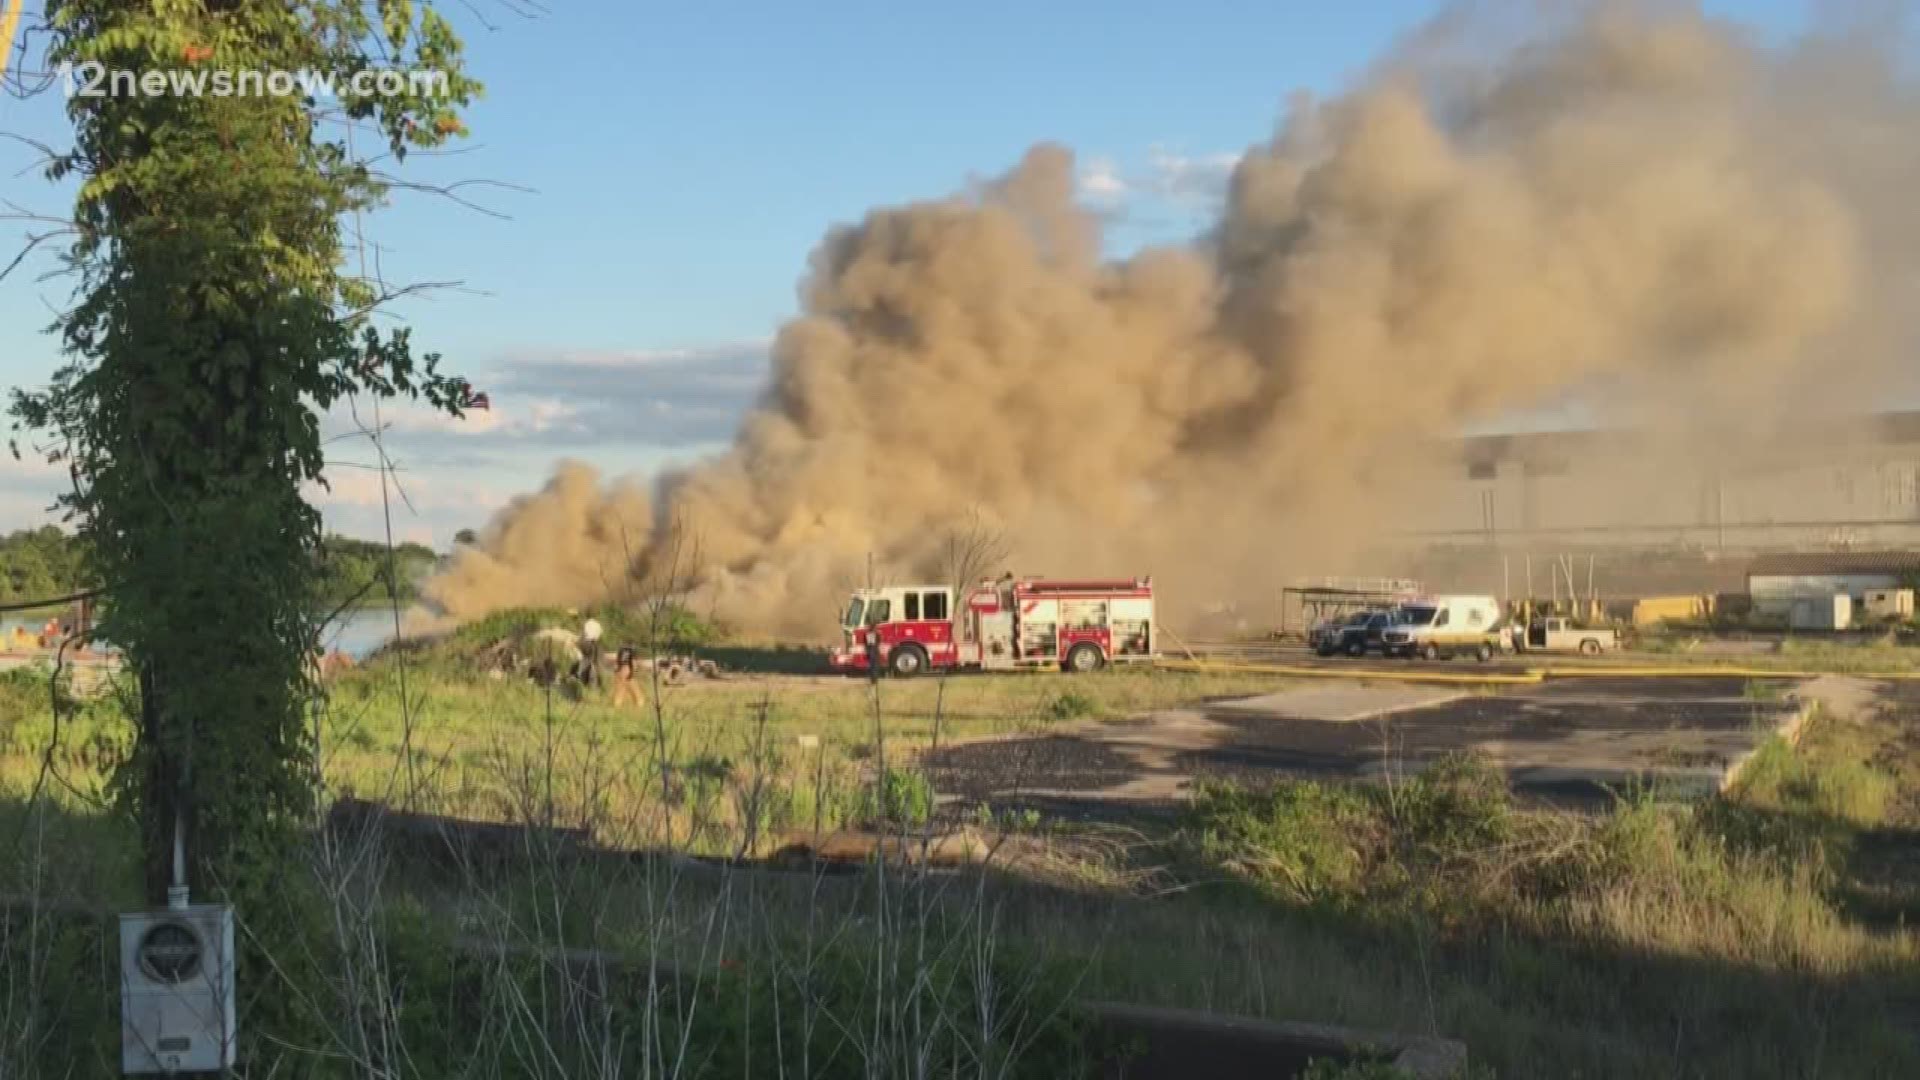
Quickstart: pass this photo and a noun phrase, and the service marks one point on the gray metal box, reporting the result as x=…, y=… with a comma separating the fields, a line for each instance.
x=176, y=990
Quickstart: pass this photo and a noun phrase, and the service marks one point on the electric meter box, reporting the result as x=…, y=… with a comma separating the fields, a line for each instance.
x=176, y=990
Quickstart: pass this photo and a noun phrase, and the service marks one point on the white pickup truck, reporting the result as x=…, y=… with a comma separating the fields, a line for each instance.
x=1563, y=635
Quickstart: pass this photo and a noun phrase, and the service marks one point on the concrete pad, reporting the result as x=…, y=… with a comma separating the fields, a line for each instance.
x=1567, y=742
x=1843, y=696
x=1337, y=703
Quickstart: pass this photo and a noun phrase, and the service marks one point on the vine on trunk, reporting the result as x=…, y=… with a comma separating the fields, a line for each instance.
x=214, y=323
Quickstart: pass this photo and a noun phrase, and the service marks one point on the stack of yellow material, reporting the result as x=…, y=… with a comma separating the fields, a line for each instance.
x=1654, y=609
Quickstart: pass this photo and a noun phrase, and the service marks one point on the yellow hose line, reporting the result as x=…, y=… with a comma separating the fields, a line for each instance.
x=1680, y=672
x=9, y=22
x=1525, y=678
x=1491, y=678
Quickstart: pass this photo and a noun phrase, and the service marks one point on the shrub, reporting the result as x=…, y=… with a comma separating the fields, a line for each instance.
x=1458, y=804
x=901, y=798
x=23, y=692
x=1071, y=705
x=678, y=627
x=1309, y=838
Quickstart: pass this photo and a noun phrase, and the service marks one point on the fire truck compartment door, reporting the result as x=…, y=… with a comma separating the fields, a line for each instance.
x=996, y=640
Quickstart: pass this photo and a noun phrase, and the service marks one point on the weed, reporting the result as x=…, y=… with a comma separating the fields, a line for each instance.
x=901, y=798
x=1848, y=790
x=1456, y=805
x=1019, y=820
x=1071, y=705
x=1313, y=840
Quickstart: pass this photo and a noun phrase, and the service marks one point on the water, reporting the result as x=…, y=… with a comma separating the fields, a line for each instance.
x=33, y=623
x=356, y=633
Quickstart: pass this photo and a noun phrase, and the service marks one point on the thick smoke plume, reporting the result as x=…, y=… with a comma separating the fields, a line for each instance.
x=1640, y=207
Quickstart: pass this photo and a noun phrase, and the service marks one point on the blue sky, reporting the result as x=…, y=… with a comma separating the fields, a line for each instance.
x=682, y=161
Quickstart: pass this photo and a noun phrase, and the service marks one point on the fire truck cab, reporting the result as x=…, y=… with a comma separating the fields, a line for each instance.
x=999, y=626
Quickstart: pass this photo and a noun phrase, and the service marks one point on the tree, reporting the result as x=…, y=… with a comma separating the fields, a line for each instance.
x=970, y=549
x=213, y=324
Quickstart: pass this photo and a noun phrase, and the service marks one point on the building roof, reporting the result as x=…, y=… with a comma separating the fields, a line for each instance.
x=1560, y=448
x=1812, y=563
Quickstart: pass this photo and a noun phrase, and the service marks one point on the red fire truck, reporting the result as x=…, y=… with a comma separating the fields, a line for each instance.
x=1000, y=626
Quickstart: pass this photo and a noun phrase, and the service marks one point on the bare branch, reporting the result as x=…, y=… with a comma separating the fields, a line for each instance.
x=47, y=153
x=452, y=191
x=391, y=295
x=33, y=241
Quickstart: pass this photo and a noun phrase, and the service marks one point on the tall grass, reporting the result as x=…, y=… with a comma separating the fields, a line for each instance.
x=1844, y=789
x=1646, y=941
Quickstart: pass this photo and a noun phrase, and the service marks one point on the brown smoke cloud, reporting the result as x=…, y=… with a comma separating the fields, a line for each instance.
x=1638, y=205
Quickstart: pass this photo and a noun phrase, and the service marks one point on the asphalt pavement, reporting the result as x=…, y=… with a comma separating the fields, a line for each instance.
x=1564, y=742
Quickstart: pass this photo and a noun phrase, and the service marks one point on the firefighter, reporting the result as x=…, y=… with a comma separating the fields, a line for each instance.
x=626, y=689
x=589, y=669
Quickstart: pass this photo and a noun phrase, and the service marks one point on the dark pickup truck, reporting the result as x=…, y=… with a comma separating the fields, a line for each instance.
x=1356, y=635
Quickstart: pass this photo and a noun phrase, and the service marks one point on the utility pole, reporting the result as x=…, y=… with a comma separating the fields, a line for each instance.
x=1720, y=508
x=1529, y=601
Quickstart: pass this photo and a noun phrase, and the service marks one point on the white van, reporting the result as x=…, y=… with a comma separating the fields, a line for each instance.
x=1442, y=626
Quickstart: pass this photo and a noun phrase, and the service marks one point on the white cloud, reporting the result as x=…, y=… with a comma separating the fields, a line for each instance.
x=627, y=410
x=1166, y=196
x=668, y=398
x=660, y=398
x=1100, y=183
x=30, y=466
x=1199, y=178
x=358, y=484
x=347, y=485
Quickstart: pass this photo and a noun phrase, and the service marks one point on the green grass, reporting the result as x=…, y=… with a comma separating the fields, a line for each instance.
x=1765, y=690
x=1754, y=936
x=1839, y=654
x=1844, y=656
x=812, y=739
x=1554, y=944
x=1845, y=789
x=467, y=743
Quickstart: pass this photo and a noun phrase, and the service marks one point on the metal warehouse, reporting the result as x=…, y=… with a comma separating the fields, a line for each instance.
x=1776, y=582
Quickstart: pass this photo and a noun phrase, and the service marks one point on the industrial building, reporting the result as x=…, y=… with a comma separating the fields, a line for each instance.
x=1803, y=587
x=1843, y=484
x=1692, y=515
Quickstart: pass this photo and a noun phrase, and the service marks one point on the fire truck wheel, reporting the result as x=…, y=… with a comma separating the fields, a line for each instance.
x=1083, y=658
x=907, y=661
x=1430, y=651
x=1484, y=653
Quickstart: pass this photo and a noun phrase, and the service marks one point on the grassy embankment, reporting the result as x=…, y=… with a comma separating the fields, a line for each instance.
x=1762, y=935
